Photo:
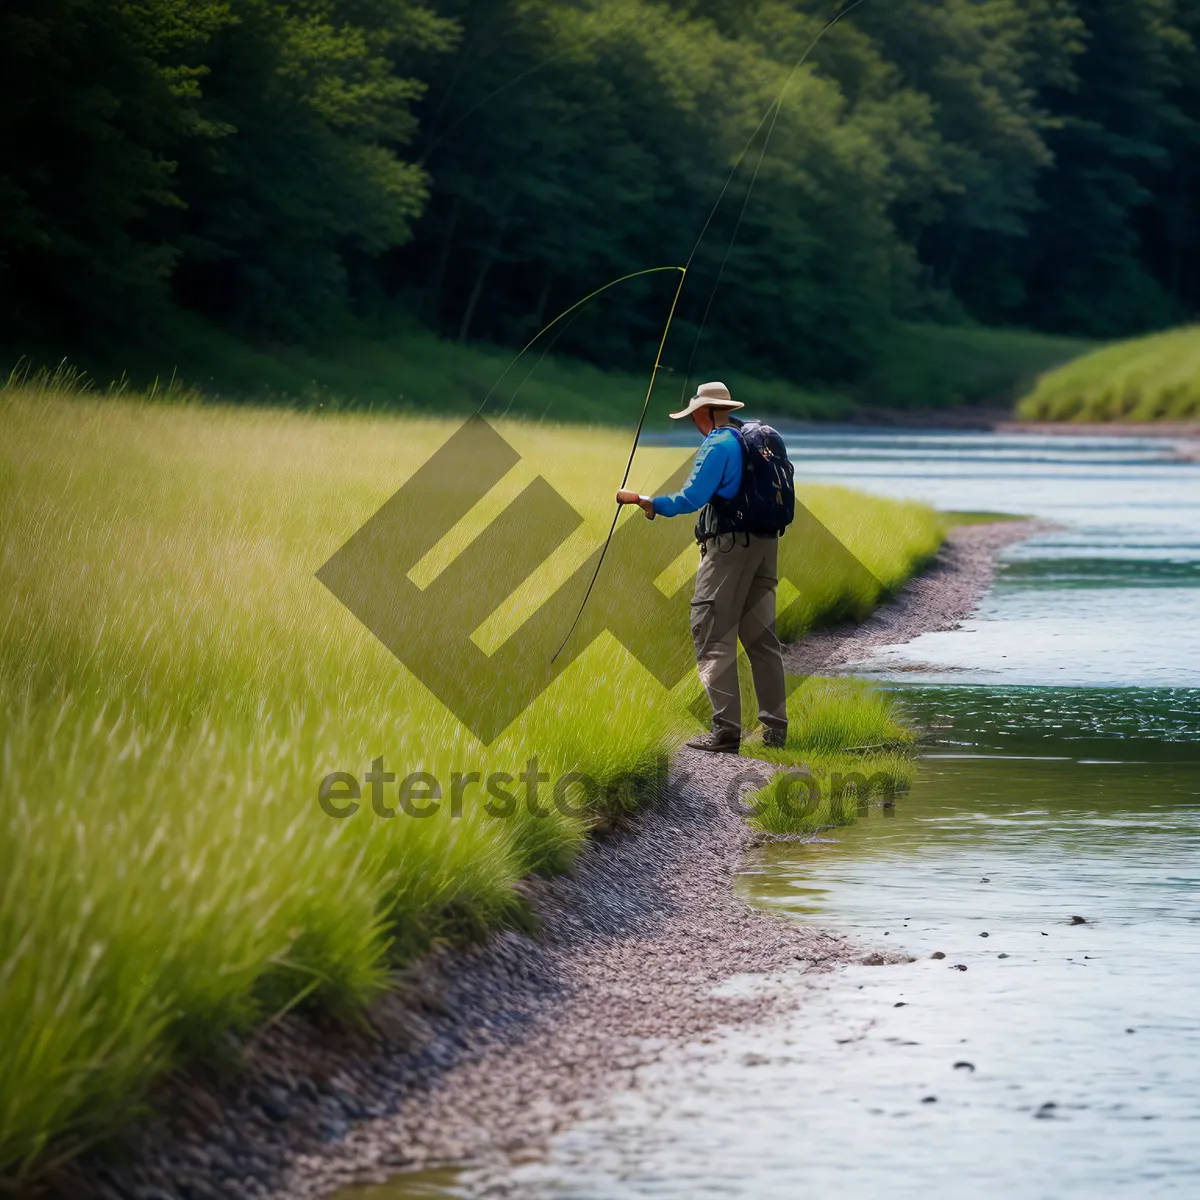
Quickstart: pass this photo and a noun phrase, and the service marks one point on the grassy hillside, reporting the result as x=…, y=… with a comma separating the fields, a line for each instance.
x=941, y=366
x=174, y=685
x=406, y=368
x=1155, y=378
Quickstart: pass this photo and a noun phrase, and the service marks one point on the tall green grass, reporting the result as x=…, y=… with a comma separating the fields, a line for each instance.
x=174, y=684
x=846, y=742
x=1155, y=378
x=823, y=792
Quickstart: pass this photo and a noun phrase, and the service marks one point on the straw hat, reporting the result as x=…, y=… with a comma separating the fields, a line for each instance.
x=709, y=395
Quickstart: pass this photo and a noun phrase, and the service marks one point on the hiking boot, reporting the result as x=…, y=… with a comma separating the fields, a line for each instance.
x=716, y=744
x=774, y=739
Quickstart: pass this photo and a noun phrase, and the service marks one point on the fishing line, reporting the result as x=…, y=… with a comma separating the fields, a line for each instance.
x=567, y=312
x=645, y=404
x=528, y=374
x=435, y=142
x=771, y=115
x=629, y=465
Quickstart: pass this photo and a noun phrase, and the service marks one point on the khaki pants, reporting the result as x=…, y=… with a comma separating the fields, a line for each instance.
x=735, y=598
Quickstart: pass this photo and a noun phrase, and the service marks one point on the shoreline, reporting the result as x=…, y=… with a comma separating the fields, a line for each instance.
x=987, y=419
x=482, y=1054
x=946, y=593
x=1184, y=435
x=1150, y=429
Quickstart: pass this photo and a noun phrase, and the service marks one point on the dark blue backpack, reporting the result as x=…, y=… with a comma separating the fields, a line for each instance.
x=766, y=500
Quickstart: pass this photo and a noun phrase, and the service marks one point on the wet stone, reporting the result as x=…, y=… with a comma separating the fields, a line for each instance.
x=197, y=1189
x=332, y=1129
x=274, y=1103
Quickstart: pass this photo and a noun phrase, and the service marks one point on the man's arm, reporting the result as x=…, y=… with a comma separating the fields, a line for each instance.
x=645, y=503
x=702, y=483
x=699, y=489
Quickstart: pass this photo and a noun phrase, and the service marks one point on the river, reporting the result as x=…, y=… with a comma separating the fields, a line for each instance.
x=1049, y=850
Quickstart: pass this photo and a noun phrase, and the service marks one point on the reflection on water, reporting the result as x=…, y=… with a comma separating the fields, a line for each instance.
x=1063, y=1059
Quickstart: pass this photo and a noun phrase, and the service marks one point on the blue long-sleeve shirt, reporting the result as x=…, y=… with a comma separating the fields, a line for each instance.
x=718, y=472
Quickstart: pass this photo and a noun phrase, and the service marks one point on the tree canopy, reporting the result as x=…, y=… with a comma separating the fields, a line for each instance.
x=280, y=165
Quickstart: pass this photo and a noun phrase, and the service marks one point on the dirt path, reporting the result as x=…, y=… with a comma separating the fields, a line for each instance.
x=484, y=1054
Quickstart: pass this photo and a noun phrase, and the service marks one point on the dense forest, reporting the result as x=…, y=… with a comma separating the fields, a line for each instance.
x=283, y=167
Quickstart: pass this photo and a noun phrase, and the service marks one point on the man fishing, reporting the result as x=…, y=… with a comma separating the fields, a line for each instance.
x=742, y=485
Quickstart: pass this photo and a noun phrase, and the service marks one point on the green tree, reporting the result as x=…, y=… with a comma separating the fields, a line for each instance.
x=1169, y=227
x=97, y=97
x=281, y=165
x=571, y=145
x=287, y=211
x=1084, y=267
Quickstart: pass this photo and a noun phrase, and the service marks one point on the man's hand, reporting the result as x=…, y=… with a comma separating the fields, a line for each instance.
x=645, y=503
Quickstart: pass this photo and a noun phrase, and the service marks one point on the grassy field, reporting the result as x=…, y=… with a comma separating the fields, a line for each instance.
x=1155, y=378
x=175, y=684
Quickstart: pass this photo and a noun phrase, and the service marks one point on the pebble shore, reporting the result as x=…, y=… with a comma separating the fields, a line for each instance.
x=489, y=1051
x=484, y=1053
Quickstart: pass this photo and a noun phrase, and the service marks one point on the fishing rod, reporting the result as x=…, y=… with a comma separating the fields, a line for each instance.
x=633, y=450
x=771, y=115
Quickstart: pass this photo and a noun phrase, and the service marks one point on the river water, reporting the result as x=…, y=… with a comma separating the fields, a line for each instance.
x=1041, y=1056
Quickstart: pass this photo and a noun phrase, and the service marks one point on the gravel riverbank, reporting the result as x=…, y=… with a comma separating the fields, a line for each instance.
x=484, y=1053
